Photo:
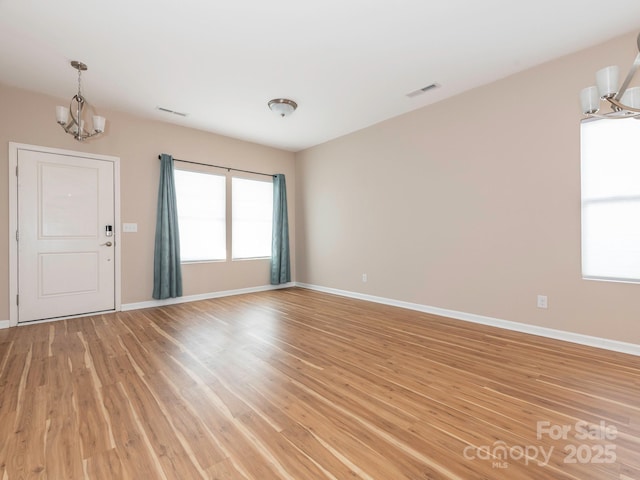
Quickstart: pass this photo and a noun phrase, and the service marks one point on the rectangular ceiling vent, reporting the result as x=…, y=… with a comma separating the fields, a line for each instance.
x=166, y=110
x=422, y=90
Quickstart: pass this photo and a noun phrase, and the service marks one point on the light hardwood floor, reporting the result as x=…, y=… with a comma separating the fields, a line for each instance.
x=298, y=385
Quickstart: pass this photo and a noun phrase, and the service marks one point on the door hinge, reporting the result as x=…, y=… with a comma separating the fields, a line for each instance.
x=17, y=299
x=17, y=235
x=16, y=170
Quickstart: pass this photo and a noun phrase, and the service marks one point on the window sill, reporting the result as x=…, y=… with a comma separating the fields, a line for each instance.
x=250, y=258
x=195, y=262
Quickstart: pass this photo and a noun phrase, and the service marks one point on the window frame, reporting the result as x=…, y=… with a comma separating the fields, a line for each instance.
x=228, y=176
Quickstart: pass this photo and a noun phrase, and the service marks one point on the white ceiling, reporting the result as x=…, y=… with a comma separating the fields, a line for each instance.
x=348, y=63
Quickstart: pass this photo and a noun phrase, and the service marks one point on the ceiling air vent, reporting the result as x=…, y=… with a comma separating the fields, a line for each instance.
x=166, y=110
x=422, y=90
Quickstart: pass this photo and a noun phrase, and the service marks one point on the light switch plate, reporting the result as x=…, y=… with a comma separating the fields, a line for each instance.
x=130, y=227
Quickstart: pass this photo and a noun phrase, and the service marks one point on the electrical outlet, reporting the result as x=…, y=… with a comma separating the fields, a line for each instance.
x=364, y=278
x=542, y=301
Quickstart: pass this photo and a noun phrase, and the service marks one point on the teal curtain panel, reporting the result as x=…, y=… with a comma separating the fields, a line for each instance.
x=167, y=276
x=280, y=264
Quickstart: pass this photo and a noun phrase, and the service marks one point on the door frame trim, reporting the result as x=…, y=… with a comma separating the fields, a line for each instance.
x=13, y=220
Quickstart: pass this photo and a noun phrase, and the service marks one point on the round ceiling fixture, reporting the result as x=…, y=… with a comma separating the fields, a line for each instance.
x=283, y=106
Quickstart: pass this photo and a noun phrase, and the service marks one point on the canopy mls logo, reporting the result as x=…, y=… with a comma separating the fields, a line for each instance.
x=590, y=446
x=500, y=454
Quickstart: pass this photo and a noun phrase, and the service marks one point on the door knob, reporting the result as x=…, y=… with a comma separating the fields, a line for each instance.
x=108, y=244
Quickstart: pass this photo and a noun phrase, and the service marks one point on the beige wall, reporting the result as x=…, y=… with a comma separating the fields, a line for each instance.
x=471, y=204
x=30, y=118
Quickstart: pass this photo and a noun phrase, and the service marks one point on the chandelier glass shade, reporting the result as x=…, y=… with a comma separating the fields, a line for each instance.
x=623, y=100
x=71, y=119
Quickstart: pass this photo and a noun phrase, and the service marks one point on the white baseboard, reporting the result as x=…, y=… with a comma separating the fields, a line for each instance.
x=597, y=342
x=4, y=324
x=204, y=296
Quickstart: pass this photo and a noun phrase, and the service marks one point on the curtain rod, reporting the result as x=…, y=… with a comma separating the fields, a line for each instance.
x=219, y=166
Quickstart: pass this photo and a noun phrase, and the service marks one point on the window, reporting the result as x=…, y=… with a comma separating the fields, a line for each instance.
x=611, y=200
x=252, y=212
x=201, y=200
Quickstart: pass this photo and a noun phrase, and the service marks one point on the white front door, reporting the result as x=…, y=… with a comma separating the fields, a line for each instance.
x=66, y=257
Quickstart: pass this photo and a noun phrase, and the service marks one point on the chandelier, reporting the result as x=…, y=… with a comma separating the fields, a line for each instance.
x=624, y=101
x=75, y=126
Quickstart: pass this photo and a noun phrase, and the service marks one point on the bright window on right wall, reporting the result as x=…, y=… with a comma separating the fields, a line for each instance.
x=610, y=169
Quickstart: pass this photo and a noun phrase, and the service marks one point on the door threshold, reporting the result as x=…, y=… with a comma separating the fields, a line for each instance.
x=55, y=319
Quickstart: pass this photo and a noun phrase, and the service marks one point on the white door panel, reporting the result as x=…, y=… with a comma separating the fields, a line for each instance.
x=68, y=273
x=66, y=263
x=69, y=201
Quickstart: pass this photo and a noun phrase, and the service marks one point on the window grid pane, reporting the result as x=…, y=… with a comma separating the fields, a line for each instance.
x=252, y=212
x=201, y=200
x=610, y=162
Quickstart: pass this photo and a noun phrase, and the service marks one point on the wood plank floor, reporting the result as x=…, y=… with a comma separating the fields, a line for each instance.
x=297, y=385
